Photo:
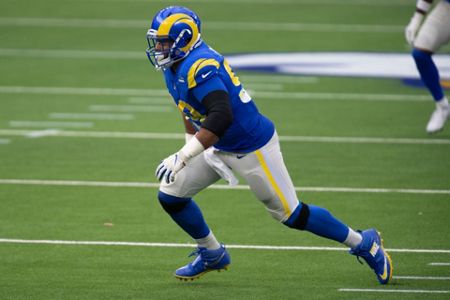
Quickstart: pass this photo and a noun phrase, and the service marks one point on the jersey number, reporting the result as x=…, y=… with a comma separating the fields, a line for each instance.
x=230, y=72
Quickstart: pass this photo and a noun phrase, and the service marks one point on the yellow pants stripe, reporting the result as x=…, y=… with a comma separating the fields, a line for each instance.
x=272, y=181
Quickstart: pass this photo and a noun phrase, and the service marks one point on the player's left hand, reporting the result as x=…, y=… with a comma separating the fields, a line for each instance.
x=410, y=32
x=412, y=28
x=170, y=166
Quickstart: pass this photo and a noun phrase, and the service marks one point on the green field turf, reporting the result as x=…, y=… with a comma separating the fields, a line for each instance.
x=94, y=181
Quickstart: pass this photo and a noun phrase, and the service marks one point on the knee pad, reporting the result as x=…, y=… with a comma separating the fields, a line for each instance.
x=172, y=204
x=299, y=217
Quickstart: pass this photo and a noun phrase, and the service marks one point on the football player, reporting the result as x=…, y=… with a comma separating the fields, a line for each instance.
x=224, y=132
x=434, y=33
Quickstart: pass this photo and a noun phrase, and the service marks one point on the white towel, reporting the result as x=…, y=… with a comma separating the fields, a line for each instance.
x=214, y=161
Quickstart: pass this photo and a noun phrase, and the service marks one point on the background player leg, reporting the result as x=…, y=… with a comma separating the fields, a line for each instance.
x=434, y=33
x=430, y=76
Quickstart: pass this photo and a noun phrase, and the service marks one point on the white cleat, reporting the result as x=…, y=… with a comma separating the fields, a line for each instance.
x=438, y=119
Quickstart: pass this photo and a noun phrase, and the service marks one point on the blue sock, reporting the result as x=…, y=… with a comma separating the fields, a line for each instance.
x=319, y=221
x=322, y=223
x=186, y=213
x=428, y=72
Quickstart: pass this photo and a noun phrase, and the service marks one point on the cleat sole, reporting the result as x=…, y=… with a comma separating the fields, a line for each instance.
x=184, y=278
x=388, y=258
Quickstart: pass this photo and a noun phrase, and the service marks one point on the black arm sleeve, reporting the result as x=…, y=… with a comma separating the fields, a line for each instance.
x=219, y=115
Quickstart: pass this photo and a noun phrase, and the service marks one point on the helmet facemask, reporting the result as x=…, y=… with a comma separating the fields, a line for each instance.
x=159, y=49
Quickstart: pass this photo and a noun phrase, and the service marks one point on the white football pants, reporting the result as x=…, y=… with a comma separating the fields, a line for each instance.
x=435, y=31
x=264, y=170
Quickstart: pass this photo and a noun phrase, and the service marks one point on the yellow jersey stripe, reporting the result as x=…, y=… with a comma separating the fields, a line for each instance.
x=272, y=181
x=207, y=62
x=192, y=72
x=197, y=66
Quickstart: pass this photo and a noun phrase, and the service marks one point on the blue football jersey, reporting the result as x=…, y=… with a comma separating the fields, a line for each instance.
x=203, y=71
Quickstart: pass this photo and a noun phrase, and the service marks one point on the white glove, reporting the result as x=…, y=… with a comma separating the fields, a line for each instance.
x=413, y=27
x=170, y=166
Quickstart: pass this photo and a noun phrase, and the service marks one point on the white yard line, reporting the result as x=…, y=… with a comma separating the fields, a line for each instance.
x=211, y=25
x=265, y=86
x=4, y=141
x=440, y=264
x=341, y=96
x=149, y=100
x=163, y=92
x=422, y=277
x=82, y=91
x=131, y=108
x=100, y=134
x=283, y=138
x=214, y=186
x=177, y=245
x=84, y=54
x=280, y=79
x=93, y=116
x=279, y=2
x=41, y=133
x=364, y=140
x=50, y=124
x=394, y=291
x=304, y=27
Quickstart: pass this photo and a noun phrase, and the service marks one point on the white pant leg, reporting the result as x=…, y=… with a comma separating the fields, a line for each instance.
x=267, y=176
x=196, y=176
x=435, y=31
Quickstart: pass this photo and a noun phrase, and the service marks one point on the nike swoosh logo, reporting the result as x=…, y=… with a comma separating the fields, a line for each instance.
x=384, y=275
x=206, y=75
x=240, y=156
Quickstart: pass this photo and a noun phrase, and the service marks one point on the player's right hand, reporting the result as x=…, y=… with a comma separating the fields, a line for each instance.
x=170, y=166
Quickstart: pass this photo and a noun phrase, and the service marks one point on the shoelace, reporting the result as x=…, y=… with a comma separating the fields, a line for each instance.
x=196, y=252
x=358, y=259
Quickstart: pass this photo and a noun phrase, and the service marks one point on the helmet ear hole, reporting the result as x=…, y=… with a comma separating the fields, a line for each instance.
x=184, y=38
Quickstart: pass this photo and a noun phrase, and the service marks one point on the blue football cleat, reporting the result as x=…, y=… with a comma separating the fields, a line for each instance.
x=206, y=261
x=371, y=249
